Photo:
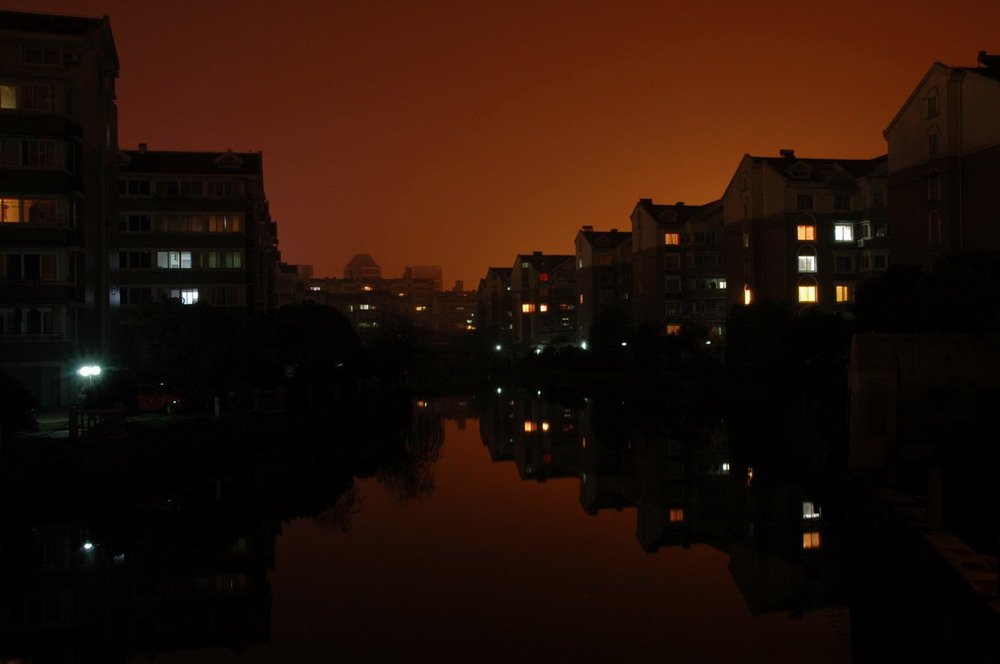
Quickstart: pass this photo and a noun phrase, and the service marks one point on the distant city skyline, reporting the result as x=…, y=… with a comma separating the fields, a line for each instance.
x=462, y=135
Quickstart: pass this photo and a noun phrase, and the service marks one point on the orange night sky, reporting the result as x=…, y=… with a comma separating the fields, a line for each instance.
x=463, y=132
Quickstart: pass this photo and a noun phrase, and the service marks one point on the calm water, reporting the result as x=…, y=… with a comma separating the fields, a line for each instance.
x=528, y=548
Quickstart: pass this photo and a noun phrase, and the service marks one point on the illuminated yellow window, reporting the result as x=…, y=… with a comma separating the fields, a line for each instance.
x=672, y=238
x=545, y=426
x=529, y=426
x=807, y=293
x=810, y=541
x=673, y=329
x=843, y=293
x=747, y=295
x=806, y=233
x=527, y=308
x=676, y=516
x=543, y=307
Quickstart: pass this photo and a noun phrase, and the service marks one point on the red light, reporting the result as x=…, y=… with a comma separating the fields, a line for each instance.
x=546, y=458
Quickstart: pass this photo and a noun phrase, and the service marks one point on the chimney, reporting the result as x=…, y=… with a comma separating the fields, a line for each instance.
x=679, y=204
x=536, y=253
x=787, y=154
x=588, y=228
x=142, y=148
x=614, y=230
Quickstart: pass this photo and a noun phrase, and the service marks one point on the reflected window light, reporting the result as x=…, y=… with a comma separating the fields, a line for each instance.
x=810, y=510
x=810, y=540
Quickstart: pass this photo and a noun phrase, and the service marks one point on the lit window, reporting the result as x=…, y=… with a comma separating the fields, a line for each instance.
x=810, y=540
x=806, y=233
x=810, y=510
x=843, y=232
x=173, y=260
x=420, y=308
x=673, y=330
x=676, y=516
x=747, y=295
x=529, y=426
x=546, y=426
x=543, y=276
x=185, y=295
x=527, y=308
x=543, y=308
x=364, y=307
x=843, y=293
x=366, y=288
x=672, y=238
x=28, y=97
x=807, y=263
x=807, y=293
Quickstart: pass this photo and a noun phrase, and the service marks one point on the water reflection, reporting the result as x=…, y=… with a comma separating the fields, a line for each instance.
x=687, y=485
x=206, y=544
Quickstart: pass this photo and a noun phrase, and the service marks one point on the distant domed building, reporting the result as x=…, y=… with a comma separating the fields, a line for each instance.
x=362, y=268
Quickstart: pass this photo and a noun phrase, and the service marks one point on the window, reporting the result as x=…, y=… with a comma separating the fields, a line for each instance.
x=133, y=187
x=932, y=146
x=672, y=238
x=881, y=261
x=672, y=284
x=676, y=515
x=673, y=330
x=672, y=262
x=223, y=188
x=747, y=295
x=48, y=57
x=541, y=307
x=173, y=260
x=224, y=223
x=543, y=276
x=185, y=295
x=28, y=97
x=934, y=228
x=807, y=293
x=673, y=307
x=934, y=186
x=746, y=239
x=807, y=263
x=227, y=260
x=806, y=233
x=841, y=202
x=843, y=232
x=135, y=259
x=29, y=267
x=810, y=540
x=27, y=153
x=843, y=293
x=878, y=199
x=527, y=308
x=181, y=187
x=28, y=211
x=843, y=264
x=932, y=103
x=804, y=201
x=134, y=223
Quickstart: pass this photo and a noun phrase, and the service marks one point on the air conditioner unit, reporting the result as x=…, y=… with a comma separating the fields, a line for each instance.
x=861, y=243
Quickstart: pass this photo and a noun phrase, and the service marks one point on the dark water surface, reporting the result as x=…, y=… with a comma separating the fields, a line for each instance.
x=495, y=566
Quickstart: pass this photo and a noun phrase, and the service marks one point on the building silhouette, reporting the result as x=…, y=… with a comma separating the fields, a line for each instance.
x=603, y=274
x=944, y=164
x=804, y=230
x=58, y=152
x=543, y=298
x=195, y=226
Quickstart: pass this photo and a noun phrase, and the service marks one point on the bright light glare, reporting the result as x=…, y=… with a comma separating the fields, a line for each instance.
x=498, y=347
x=90, y=370
x=88, y=546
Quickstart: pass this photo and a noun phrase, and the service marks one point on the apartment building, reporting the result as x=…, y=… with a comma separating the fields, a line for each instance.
x=804, y=230
x=603, y=274
x=944, y=164
x=195, y=226
x=543, y=298
x=58, y=150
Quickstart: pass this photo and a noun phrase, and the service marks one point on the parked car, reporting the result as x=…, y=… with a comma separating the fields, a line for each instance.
x=160, y=398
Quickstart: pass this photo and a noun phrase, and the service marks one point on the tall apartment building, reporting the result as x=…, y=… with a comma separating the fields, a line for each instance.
x=543, y=297
x=603, y=274
x=678, y=266
x=58, y=150
x=944, y=164
x=496, y=315
x=804, y=230
x=195, y=226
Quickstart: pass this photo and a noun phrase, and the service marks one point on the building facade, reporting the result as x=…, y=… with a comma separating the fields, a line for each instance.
x=603, y=274
x=543, y=298
x=58, y=149
x=804, y=230
x=195, y=226
x=678, y=266
x=944, y=164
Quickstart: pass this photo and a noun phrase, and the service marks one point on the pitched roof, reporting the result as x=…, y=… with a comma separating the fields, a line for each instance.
x=200, y=163
x=607, y=239
x=47, y=23
x=822, y=169
x=679, y=212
